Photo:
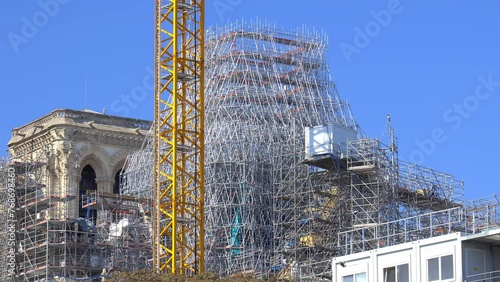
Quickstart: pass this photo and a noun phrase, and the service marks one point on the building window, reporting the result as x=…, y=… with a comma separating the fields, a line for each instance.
x=398, y=273
x=87, y=183
x=358, y=277
x=118, y=181
x=440, y=268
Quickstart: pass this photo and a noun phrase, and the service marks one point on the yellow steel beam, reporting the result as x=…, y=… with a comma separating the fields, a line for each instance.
x=178, y=192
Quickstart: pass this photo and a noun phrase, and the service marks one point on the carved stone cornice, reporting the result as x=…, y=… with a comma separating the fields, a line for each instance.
x=79, y=119
x=107, y=138
x=32, y=146
x=77, y=126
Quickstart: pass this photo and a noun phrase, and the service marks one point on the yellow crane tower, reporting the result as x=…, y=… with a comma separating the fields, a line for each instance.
x=178, y=188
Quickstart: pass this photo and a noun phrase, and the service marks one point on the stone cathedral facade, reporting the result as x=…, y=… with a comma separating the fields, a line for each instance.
x=58, y=159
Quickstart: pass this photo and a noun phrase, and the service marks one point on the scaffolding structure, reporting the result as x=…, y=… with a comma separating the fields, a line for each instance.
x=43, y=240
x=42, y=221
x=49, y=244
x=4, y=208
x=123, y=230
x=423, y=190
x=137, y=178
x=475, y=217
x=271, y=206
x=266, y=211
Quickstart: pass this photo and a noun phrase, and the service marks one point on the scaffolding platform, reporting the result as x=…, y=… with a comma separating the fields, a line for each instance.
x=327, y=161
x=423, y=199
x=362, y=168
x=115, y=202
x=472, y=218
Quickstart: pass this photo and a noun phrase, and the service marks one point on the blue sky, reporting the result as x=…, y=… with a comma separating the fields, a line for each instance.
x=432, y=65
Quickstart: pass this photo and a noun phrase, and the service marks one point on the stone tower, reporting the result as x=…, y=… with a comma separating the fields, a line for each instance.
x=57, y=160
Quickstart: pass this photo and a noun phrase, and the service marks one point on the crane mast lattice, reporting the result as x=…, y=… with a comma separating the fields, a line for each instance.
x=178, y=191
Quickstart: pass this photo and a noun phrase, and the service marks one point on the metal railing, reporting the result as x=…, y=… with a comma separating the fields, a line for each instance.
x=466, y=220
x=492, y=276
x=401, y=231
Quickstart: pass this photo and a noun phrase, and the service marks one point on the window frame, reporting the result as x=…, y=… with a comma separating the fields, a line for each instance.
x=354, y=276
x=440, y=267
x=352, y=268
x=396, y=266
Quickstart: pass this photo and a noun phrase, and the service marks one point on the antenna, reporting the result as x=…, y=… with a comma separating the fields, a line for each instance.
x=393, y=141
x=386, y=128
x=85, y=106
x=392, y=138
x=393, y=147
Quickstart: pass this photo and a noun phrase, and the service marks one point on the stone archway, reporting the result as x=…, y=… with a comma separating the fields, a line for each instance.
x=89, y=179
x=118, y=181
x=96, y=163
x=118, y=176
x=86, y=185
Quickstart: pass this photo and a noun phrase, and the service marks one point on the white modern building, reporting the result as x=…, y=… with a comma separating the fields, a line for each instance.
x=450, y=257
